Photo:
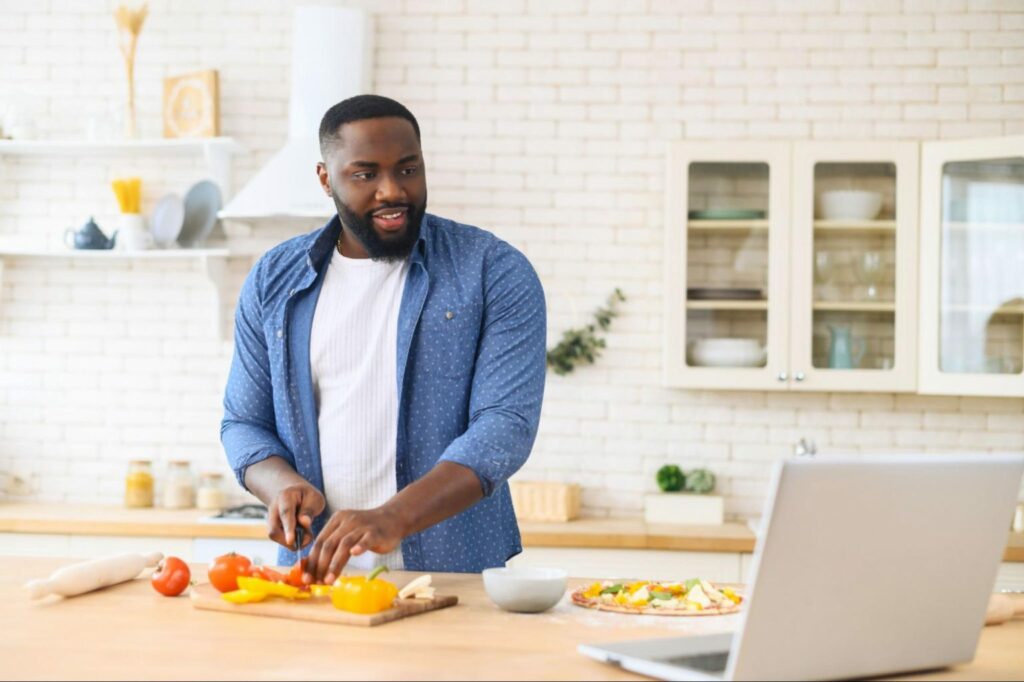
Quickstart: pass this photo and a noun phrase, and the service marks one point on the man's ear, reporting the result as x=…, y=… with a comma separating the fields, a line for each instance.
x=325, y=179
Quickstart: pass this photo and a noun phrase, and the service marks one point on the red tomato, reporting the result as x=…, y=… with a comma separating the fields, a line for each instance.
x=295, y=575
x=225, y=570
x=266, y=574
x=171, y=577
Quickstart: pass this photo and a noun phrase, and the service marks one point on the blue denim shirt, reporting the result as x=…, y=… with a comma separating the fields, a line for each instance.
x=471, y=365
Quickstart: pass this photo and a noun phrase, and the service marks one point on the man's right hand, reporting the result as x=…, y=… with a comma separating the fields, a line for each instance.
x=298, y=503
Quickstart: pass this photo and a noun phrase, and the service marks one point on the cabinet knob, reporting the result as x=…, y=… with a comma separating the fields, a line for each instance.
x=782, y=376
x=799, y=376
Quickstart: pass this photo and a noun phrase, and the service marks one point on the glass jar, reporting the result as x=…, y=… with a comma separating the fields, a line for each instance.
x=211, y=495
x=138, y=484
x=179, y=491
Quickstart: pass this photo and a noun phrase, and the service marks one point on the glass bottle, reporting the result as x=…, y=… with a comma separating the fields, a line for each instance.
x=179, y=491
x=211, y=495
x=138, y=484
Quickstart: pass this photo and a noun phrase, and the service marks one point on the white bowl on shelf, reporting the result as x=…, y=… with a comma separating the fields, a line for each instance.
x=726, y=352
x=850, y=204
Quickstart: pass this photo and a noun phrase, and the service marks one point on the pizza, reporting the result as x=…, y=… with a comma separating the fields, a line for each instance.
x=694, y=597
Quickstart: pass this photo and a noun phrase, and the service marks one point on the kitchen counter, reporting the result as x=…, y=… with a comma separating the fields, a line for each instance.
x=130, y=632
x=598, y=533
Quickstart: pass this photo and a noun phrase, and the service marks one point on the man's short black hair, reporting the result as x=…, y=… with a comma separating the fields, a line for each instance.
x=359, y=108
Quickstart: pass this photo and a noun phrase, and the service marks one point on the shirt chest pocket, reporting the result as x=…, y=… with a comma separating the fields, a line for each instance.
x=447, y=341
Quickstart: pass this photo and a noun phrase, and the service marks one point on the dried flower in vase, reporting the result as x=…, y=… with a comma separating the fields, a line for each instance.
x=129, y=26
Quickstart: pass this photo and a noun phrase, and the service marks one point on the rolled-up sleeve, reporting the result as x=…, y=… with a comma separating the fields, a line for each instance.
x=508, y=383
x=248, y=431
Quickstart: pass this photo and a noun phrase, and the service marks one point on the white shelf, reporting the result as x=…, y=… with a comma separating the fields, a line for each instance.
x=855, y=306
x=111, y=254
x=213, y=263
x=726, y=225
x=727, y=305
x=118, y=147
x=855, y=225
x=216, y=151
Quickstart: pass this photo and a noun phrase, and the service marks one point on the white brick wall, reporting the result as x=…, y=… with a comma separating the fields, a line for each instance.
x=545, y=122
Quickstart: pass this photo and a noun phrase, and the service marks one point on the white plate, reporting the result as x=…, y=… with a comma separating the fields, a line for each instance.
x=202, y=201
x=167, y=219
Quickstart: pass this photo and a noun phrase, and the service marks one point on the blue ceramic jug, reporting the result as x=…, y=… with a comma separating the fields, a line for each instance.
x=844, y=350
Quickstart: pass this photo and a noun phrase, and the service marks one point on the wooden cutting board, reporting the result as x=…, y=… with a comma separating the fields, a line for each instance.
x=206, y=596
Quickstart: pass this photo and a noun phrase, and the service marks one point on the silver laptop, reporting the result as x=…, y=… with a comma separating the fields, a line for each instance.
x=864, y=566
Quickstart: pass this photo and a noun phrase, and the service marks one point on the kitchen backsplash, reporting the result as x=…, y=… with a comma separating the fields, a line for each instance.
x=545, y=122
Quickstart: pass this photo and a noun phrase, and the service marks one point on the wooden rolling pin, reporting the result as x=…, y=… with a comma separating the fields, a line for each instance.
x=1004, y=606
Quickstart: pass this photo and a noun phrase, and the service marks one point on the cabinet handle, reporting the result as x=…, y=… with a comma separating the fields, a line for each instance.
x=799, y=376
x=782, y=376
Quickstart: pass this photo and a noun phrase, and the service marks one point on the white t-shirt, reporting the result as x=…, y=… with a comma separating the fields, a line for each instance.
x=353, y=360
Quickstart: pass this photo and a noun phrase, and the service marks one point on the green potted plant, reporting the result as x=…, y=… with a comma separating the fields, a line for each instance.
x=685, y=497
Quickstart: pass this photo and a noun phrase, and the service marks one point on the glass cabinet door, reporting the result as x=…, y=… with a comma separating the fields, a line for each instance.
x=724, y=280
x=977, y=268
x=854, y=274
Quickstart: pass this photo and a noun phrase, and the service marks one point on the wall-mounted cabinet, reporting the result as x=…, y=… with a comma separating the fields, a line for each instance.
x=727, y=265
x=972, y=267
x=791, y=266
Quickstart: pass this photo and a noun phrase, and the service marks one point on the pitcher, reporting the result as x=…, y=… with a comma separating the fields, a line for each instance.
x=844, y=350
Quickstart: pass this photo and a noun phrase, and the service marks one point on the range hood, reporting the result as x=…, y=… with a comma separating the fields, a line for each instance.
x=331, y=55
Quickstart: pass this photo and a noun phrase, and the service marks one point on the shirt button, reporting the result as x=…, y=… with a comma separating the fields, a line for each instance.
x=449, y=315
x=280, y=333
x=291, y=292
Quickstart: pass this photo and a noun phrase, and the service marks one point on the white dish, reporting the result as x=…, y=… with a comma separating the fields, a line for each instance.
x=202, y=201
x=725, y=352
x=850, y=204
x=167, y=220
x=525, y=590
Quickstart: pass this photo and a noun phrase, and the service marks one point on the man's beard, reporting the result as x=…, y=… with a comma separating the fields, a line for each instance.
x=384, y=250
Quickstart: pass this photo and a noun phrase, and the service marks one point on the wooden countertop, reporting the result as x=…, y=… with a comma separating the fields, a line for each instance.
x=595, y=533
x=130, y=632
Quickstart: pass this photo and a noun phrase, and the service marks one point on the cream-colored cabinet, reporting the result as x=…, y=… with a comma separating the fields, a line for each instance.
x=853, y=280
x=727, y=265
x=972, y=267
x=791, y=266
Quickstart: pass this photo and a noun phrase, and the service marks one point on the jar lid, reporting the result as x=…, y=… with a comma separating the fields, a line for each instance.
x=180, y=462
x=212, y=474
x=140, y=461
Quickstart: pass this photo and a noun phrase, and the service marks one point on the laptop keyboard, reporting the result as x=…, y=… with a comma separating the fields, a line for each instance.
x=709, y=663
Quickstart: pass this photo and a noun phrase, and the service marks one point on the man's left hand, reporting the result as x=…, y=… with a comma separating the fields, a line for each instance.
x=350, y=533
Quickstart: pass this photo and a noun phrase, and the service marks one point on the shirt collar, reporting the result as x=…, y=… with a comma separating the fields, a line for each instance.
x=322, y=248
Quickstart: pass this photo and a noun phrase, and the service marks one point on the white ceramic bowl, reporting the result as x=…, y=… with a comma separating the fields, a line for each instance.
x=727, y=353
x=525, y=590
x=850, y=204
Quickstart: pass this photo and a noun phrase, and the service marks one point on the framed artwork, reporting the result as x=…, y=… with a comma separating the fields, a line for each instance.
x=191, y=106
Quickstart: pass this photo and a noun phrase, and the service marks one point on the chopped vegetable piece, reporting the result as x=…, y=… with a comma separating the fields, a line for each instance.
x=243, y=596
x=657, y=594
x=612, y=589
x=266, y=587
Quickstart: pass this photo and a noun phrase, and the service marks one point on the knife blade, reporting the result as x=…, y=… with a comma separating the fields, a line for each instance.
x=299, y=530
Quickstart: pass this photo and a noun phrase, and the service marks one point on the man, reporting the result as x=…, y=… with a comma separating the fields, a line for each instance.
x=388, y=368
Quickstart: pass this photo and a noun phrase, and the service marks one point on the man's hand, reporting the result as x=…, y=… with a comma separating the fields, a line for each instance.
x=350, y=533
x=298, y=503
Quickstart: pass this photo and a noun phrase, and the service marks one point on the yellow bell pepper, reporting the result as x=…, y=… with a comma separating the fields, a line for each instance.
x=267, y=587
x=320, y=590
x=364, y=594
x=593, y=590
x=243, y=596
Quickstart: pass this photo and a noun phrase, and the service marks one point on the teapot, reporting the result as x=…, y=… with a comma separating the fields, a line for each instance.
x=89, y=236
x=845, y=351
